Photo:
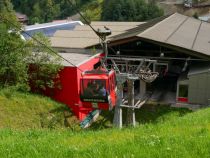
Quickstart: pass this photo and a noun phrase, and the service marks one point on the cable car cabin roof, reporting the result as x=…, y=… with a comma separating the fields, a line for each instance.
x=97, y=75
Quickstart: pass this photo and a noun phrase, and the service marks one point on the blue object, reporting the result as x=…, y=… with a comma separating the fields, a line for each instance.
x=49, y=29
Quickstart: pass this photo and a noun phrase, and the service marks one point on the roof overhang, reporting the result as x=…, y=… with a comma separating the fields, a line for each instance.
x=177, y=48
x=177, y=32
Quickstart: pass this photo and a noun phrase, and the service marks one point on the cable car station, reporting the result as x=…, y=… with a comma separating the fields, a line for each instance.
x=154, y=61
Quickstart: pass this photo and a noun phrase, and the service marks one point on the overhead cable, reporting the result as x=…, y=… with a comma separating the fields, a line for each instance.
x=35, y=39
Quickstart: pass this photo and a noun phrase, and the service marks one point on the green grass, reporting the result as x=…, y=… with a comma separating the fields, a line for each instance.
x=148, y=114
x=186, y=136
x=162, y=132
x=27, y=111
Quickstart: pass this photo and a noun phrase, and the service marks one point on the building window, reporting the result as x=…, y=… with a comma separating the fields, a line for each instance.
x=183, y=91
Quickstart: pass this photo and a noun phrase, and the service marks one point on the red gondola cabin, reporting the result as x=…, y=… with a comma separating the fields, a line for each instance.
x=98, y=89
x=75, y=79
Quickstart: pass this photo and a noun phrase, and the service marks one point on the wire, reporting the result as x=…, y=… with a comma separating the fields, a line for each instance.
x=50, y=49
x=88, y=23
x=163, y=58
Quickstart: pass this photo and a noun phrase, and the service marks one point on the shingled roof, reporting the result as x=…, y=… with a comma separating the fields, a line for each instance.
x=83, y=36
x=175, y=30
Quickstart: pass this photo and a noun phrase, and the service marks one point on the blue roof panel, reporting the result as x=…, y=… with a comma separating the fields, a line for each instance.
x=50, y=29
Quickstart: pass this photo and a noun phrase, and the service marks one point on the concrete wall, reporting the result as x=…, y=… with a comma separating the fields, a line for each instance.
x=199, y=88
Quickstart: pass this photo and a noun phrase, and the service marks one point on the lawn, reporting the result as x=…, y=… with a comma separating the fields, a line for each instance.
x=161, y=132
x=22, y=111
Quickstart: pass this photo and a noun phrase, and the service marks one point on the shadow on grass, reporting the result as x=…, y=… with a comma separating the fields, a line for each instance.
x=104, y=121
x=156, y=113
x=150, y=113
x=60, y=117
x=146, y=114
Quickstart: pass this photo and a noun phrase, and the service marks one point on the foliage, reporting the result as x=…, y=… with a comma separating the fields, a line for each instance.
x=38, y=16
x=13, y=50
x=129, y=10
x=108, y=10
x=13, y=67
x=92, y=11
x=43, y=72
x=6, y=6
x=17, y=55
x=47, y=10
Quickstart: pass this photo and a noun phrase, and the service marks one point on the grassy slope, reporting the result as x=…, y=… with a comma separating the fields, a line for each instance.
x=164, y=132
x=186, y=136
x=26, y=111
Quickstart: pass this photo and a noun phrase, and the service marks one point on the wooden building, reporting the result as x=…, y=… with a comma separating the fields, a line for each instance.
x=22, y=18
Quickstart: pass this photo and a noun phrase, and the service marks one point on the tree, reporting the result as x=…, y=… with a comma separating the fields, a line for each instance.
x=13, y=67
x=37, y=14
x=45, y=65
x=129, y=10
x=52, y=10
x=17, y=55
x=6, y=6
x=48, y=10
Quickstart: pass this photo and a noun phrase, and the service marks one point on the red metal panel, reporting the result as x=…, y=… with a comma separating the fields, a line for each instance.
x=68, y=78
x=70, y=88
x=68, y=92
x=70, y=83
x=87, y=66
x=183, y=99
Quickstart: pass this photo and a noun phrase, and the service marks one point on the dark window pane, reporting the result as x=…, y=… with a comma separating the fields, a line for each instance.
x=93, y=89
x=183, y=91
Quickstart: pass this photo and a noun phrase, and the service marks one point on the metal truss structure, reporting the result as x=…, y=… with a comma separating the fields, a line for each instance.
x=128, y=69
